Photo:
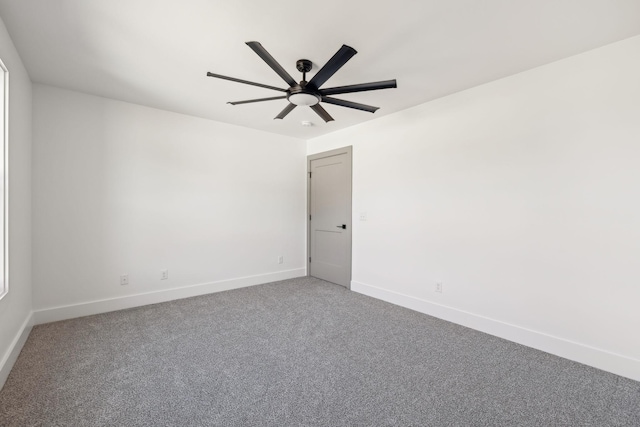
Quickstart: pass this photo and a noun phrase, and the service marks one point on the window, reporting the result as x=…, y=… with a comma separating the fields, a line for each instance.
x=4, y=145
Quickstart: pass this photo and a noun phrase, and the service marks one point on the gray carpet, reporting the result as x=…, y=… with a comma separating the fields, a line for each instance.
x=300, y=352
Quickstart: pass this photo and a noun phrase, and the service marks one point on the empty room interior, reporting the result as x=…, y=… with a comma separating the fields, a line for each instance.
x=338, y=213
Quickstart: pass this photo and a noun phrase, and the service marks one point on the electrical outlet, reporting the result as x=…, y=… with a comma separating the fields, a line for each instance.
x=164, y=274
x=124, y=279
x=363, y=216
x=439, y=287
x=280, y=259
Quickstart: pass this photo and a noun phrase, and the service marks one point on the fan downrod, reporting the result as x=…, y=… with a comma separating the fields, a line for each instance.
x=304, y=66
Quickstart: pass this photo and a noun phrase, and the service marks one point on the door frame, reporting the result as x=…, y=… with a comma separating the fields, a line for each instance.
x=349, y=220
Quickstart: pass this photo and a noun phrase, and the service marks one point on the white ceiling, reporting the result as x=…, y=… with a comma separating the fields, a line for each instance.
x=157, y=52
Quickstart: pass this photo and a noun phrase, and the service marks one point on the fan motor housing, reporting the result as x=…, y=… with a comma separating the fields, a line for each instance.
x=301, y=89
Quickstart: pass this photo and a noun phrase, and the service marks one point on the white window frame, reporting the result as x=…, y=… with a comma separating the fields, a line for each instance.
x=4, y=179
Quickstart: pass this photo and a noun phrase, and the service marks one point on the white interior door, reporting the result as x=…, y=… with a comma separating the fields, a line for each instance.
x=330, y=216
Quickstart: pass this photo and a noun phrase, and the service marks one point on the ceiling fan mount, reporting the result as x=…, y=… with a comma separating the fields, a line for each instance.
x=303, y=65
x=309, y=93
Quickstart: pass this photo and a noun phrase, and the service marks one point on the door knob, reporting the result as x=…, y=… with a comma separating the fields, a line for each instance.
x=343, y=226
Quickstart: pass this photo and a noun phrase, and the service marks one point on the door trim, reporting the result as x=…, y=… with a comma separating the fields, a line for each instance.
x=349, y=152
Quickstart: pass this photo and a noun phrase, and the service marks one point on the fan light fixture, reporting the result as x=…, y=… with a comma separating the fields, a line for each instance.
x=310, y=94
x=305, y=99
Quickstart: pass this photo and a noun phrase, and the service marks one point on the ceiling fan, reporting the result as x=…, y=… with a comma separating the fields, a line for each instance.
x=309, y=93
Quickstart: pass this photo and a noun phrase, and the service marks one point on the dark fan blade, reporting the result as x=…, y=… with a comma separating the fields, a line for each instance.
x=322, y=113
x=334, y=64
x=289, y=108
x=256, y=100
x=343, y=103
x=266, y=57
x=233, y=79
x=387, y=84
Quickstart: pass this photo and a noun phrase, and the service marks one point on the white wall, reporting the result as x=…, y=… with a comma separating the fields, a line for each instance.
x=15, y=307
x=120, y=188
x=522, y=196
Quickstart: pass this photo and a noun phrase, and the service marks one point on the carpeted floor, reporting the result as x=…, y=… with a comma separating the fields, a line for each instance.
x=300, y=352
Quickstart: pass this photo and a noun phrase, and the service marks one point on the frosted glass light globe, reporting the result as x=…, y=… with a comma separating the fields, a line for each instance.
x=303, y=99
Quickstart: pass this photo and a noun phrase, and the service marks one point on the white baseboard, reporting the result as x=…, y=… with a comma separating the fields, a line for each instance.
x=10, y=357
x=55, y=314
x=595, y=357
